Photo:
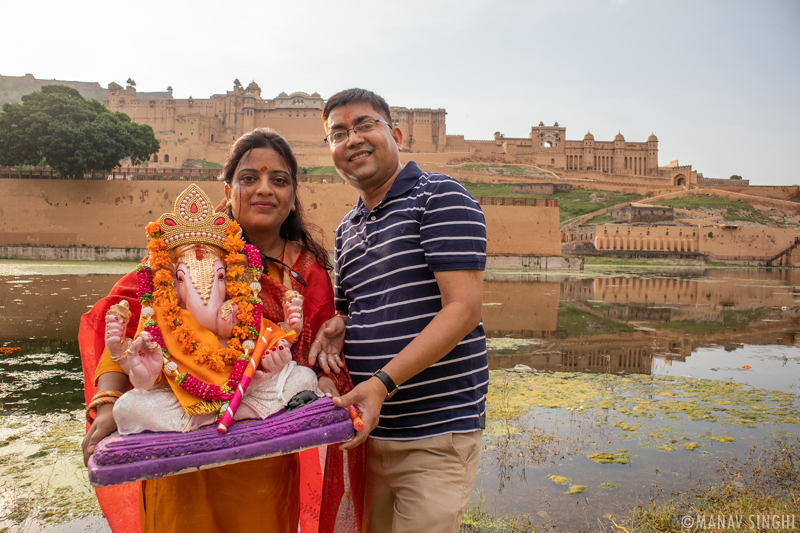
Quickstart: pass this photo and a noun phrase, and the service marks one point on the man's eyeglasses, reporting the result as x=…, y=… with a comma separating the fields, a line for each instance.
x=297, y=277
x=340, y=135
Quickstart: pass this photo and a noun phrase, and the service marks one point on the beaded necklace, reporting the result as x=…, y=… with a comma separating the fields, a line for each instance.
x=154, y=286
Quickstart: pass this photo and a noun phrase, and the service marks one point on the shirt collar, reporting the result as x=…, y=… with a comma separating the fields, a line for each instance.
x=403, y=183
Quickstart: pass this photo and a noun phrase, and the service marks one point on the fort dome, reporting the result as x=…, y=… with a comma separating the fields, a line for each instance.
x=652, y=138
x=541, y=124
x=253, y=86
x=588, y=136
x=619, y=137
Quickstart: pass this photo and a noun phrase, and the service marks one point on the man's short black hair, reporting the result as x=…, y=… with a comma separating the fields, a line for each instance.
x=350, y=96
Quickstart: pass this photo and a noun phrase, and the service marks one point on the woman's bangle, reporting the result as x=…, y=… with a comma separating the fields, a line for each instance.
x=100, y=398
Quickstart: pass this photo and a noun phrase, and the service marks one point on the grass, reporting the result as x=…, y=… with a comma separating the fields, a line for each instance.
x=764, y=484
x=601, y=219
x=731, y=210
x=574, y=321
x=731, y=321
x=576, y=202
x=200, y=163
x=317, y=170
x=504, y=170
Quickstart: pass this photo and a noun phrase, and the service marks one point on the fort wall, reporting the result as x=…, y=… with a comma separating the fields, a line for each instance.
x=87, y=214
x=725, y=243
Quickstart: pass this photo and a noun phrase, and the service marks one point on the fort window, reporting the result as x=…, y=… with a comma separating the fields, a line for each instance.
x=155, y=158
x=212, y=137
x=166, y=158
x=548, y=144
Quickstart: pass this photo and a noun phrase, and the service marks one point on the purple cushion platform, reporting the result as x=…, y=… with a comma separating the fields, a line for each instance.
x=121, y=459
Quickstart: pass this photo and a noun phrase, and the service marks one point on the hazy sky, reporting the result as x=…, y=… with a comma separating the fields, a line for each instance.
x=717, y=81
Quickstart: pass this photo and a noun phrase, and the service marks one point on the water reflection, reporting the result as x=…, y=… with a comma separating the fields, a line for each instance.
x=655, y=355
x=621, y=323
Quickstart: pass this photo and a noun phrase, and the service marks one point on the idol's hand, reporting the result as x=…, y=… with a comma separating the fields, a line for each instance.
x=293, y=314
x=226, y=319
x=144, y=362
x=116, y=342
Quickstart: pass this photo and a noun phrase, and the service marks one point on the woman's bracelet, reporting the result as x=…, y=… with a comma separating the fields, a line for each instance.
x=100, y=398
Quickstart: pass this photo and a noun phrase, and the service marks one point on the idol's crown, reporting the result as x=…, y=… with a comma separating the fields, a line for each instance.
x=193, y=221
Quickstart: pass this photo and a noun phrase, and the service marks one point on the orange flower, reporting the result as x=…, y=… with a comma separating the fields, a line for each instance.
x=233, y=228
x=233, y=243
x=235, y=344
x=234, y=259
x=152, y=228
x=159, y=259
x=234, y=271
x=163, y=277
x=157, y=245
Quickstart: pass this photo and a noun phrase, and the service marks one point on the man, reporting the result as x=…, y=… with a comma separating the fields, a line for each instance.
x=408, y=287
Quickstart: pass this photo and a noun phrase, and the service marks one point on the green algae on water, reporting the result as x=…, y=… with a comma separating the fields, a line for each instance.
x=576, y=489
x=561, y=480
x=609, y=486
x=691, y=445
x=722, y=438
x=603, y=458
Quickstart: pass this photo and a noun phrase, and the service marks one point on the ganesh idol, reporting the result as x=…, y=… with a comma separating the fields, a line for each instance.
x=200, y=321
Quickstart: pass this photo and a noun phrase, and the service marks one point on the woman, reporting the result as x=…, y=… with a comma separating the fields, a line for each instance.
x=260, y=176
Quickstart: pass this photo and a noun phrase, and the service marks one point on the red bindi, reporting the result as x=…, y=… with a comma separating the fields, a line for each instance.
x=264, y=168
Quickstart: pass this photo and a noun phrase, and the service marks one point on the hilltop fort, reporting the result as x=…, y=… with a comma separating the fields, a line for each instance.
x=203, y=128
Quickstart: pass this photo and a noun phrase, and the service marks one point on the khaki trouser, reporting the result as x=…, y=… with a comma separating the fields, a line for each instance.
x=420, y=485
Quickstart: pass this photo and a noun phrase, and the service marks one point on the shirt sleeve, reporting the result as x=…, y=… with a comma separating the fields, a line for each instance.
x=453, y=228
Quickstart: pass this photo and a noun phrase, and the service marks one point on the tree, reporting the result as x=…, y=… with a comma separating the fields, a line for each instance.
x=736, y=177
x=58, y=127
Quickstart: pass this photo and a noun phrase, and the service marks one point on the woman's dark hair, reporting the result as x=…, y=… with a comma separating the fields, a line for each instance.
x=295, y=227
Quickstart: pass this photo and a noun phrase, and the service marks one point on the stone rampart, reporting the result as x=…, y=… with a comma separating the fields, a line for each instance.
x=85, y=215
x=718, y=242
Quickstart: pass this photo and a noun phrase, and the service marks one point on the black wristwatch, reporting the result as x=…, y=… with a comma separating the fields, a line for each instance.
x=391, y=388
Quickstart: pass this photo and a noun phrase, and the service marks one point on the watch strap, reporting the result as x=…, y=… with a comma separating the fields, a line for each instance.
x=388, y=382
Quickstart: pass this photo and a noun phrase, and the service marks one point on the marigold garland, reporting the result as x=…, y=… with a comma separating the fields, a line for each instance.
x=155, y=286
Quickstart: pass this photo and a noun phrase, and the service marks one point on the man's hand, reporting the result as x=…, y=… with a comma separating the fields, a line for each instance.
x=326, y=350
x=367, y=398
x=328, y=387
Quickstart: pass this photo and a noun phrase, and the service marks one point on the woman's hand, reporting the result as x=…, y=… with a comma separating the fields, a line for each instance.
x=326, y=349
x=104, y=424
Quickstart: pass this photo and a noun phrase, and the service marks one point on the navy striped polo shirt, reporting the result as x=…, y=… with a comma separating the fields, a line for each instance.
x=385, y=260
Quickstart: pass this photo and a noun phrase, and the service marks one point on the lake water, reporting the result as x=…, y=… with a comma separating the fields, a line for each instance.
x=640, y=381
